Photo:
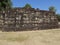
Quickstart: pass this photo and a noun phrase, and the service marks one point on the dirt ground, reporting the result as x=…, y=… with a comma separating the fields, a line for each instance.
x=38, y=37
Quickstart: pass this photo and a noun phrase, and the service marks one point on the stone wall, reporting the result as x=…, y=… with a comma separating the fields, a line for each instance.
x=27, y=19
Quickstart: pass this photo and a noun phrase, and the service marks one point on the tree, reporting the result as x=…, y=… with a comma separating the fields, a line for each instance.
x=5, y=4
x=27, y=6
x=52, y=8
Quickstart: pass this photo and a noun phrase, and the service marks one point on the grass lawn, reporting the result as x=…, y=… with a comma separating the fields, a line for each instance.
x=38, y=37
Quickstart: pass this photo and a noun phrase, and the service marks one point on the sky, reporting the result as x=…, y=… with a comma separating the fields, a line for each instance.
x=41, y=4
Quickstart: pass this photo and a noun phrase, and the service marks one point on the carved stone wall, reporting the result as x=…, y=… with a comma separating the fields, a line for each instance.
x=27, y=19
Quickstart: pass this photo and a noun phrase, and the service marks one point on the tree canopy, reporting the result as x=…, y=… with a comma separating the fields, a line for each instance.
x=5, y=4
x=27, y=6
x=52, y=8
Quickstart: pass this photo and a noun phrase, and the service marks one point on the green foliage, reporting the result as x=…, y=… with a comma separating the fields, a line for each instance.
x=27, y=6
x=52, y=8
x=5, y=4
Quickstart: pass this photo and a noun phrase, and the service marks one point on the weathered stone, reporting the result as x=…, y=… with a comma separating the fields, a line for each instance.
x=23, y=19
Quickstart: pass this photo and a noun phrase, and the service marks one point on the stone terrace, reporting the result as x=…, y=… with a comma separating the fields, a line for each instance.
x=27, y=19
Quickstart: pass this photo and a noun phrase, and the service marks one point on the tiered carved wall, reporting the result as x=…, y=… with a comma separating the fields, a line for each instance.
x=27, y=19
